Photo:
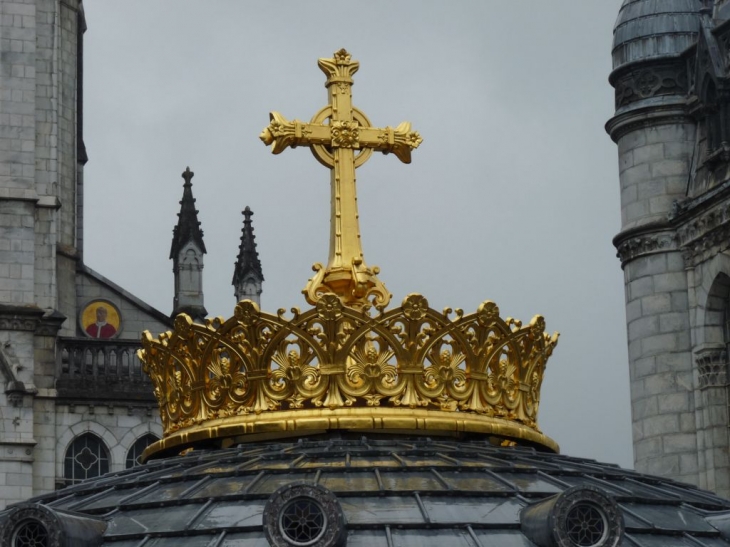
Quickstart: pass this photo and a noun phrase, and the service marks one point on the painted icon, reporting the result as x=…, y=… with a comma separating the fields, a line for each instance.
x=100, y=319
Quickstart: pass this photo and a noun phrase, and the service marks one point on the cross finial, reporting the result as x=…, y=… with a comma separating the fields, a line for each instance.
x=341, y=138
x=188, y=176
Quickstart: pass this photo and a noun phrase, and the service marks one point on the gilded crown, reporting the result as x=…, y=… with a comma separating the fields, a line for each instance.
x=410, y=368
x=347, y=363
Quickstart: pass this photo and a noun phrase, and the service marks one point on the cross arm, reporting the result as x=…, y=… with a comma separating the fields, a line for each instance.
x=282, y=133
x=400, y=141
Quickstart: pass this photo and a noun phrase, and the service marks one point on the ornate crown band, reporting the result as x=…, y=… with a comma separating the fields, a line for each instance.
x=335, y=367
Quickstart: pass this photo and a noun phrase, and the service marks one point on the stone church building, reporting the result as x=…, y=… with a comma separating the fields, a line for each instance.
x=671, y=74
x=74, y=403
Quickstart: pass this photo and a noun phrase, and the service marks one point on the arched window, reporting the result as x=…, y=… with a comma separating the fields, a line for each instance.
x=135, y=452
x=87, y=457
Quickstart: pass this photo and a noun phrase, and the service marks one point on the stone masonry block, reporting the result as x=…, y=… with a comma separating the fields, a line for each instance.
x=673, y=322
x=643, y=327
x=644, y=408
x=656, y=304
x=681, y=442
x=661, y=204
x=660, y=425
x=648, y=448
x=649, y=153
x=674, y=402
x=674, y=362
x=669, y=282
x=670, y=133
x=660, y=384
x=631, y=140
x=688, y=464
x=687, y=422
x=677, y=150
x=668, y=168
x=641, y=287
x=629, y=194
x=661, y=343
x=634, y=309
x=636, y=175
x=625, y=160
x=646, y=265
x=643, y=367
x=667, y=465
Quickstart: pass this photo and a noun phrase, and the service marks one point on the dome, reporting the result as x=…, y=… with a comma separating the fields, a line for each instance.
x=375, y=491
x=651, y=29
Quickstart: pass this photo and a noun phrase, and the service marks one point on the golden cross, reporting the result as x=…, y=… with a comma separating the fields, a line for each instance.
x=334, y=144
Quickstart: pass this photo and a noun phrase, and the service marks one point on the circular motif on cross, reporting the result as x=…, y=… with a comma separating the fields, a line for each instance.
x=304, y=515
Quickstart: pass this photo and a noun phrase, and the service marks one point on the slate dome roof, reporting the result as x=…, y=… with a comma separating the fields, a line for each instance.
x=651, y=29
x=394, y=491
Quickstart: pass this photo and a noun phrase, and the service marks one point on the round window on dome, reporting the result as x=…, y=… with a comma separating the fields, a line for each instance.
x=302, y=521
x=30, y=533
x=302, y=515
x=586, y=525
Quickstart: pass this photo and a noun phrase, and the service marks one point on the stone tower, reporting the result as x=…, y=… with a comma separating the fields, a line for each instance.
x=187, y=256
x=68, y=335
x=671, y=73
x=247, y=275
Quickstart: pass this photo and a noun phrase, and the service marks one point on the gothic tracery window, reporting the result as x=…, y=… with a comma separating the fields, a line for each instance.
x=86, y=457
x=134, y=454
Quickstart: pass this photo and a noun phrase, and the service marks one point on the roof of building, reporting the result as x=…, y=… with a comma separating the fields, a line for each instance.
x=248, y=257
x=388, y=491
x=652, y=29
x=188, y=226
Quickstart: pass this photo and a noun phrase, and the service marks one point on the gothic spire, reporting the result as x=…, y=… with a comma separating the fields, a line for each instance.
x=188, y=226
x=247, y=275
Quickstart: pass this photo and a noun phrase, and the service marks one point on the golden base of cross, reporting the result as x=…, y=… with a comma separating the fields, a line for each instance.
x=357, y=287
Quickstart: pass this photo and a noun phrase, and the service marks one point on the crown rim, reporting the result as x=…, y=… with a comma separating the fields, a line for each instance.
x=293, y=423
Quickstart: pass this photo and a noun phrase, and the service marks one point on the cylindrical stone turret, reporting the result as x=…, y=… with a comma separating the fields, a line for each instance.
x=656, y=138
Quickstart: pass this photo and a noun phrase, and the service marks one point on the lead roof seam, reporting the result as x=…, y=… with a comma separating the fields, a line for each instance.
x=500, y=479
x=247, y=463
x=448, y=458
x=296, y=461
x=255, y=480
x=388, y=536
x=217, y=542
x=473, y=536
x=442, y=480
x=632, y=540
x=90, y=499
x=612, y=485
x=198, y=514
x=422, y=508
x=654, y=487
x=693, y=539
x=59, y=500
x=553, y=480
x=637, y=516
x=138, y=493
x=381, y=487
x=194, y=487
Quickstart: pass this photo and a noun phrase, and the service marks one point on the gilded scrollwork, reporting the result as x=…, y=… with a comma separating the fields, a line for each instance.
x=334, y=356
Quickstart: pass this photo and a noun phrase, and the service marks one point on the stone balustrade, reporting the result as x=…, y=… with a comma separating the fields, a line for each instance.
x=91, y=369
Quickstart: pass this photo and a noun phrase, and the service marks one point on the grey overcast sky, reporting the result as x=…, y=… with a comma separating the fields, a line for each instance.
x=513, y=195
